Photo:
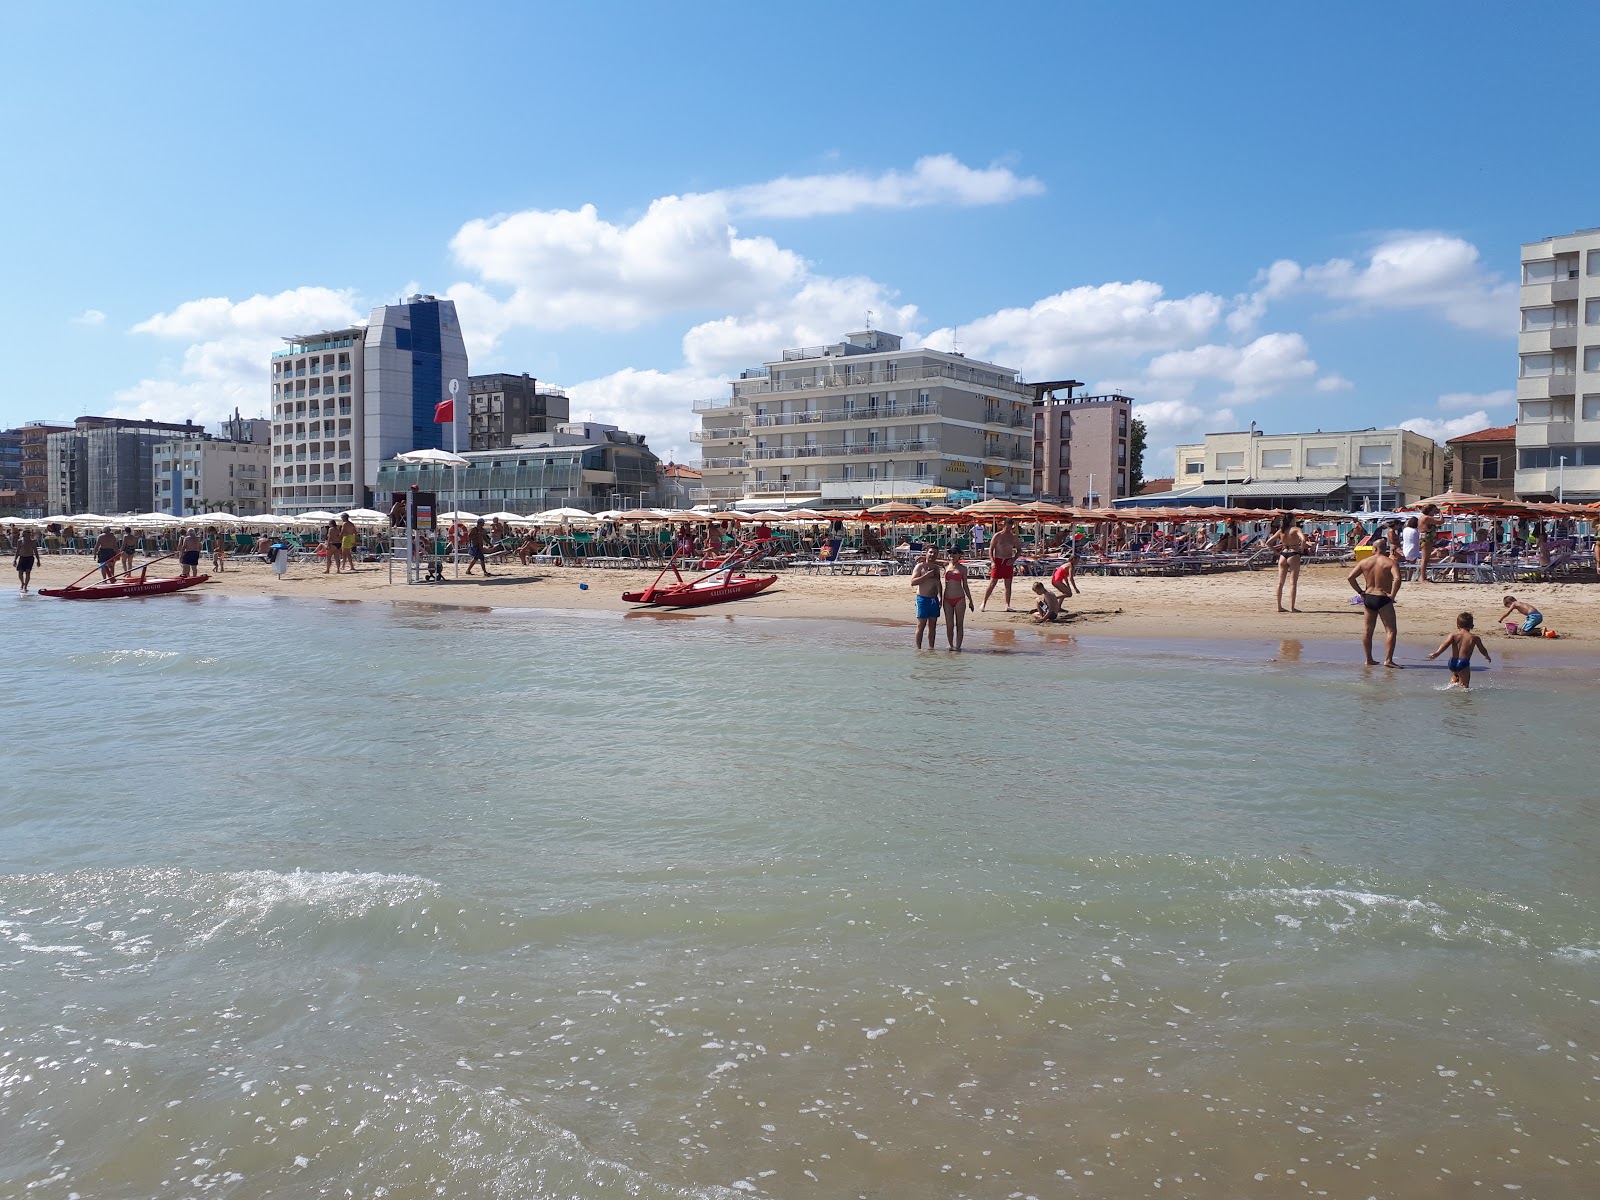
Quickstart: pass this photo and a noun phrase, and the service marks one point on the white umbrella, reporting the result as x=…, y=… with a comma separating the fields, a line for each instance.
x=610, y=514
x=504, y=516
x=442, y=458
x=458, y=516
x=564, y=514
x=219, y=518
x=319, y=516
x=366, y=516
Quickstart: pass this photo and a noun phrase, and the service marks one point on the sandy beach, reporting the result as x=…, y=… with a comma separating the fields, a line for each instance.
x=1239, y=604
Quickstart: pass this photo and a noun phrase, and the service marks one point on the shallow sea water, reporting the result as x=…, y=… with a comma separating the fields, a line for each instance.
x=304, y=898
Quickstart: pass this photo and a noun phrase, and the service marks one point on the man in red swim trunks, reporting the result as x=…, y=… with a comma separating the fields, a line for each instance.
x=1003, y=553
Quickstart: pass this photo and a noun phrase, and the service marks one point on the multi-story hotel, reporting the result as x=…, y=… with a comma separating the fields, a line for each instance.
x=1360, y=469
x=106, y=465
x=345, y=401
x=1558, y=377
x=864, y=421
x=506, y=406
x=1080, y=444
x=205, y=474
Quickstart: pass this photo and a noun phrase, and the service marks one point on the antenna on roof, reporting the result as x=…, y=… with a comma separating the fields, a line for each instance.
x=955, y=340
x=869, y=320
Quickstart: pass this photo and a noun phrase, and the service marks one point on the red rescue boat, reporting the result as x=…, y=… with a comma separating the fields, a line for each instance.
x=125, y=586
x=727, y=582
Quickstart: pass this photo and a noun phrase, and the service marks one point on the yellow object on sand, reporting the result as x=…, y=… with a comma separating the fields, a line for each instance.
x=1363, y=552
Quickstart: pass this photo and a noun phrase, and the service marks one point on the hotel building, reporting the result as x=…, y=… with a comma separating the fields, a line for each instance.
x=345, y=401
x=1361, y=469
x=1558, y=375
x=106, y=465
x=864, y=421
x=205, y=474
x=1080, y=444
x=506, y=406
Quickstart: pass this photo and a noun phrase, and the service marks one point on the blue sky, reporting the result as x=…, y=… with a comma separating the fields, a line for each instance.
x=1306, y=216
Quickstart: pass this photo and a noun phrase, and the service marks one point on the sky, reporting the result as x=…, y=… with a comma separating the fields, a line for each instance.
x=1304, y=216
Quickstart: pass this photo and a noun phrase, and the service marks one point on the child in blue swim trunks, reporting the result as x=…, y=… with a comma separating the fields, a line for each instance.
x=1461, y=644
x=1532, y=617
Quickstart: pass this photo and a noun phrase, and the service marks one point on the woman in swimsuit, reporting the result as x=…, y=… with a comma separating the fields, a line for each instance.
x=1062, y=580
x=1291, y=542
x=956, y=595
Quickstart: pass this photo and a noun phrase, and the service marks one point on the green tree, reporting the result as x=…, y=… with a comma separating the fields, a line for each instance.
x=1136, y=439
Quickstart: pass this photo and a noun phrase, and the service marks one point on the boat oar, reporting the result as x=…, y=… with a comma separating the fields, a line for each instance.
x=96, y=569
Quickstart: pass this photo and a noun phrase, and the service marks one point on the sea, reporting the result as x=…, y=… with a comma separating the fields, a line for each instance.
x=308, y=898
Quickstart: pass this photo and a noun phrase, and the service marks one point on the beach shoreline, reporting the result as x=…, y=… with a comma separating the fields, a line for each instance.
x=1237, y=605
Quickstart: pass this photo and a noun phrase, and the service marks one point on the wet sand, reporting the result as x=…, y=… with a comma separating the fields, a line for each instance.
x=1235, y=605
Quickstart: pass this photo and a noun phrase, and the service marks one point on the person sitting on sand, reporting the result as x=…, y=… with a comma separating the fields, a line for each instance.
x=1047, y=608
x=1532, y=617
x=1461, y=644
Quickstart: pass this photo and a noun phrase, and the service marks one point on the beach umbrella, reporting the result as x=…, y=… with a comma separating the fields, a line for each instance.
x=895, y=508
x=993, y=508
x=367, y=516
x=319, y=516
x=504, y=516
x=460, y=515
x=564, y=514
x=641, y=514
x=442, y=458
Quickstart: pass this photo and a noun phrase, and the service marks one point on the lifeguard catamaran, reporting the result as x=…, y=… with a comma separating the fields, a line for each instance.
x=727, y=582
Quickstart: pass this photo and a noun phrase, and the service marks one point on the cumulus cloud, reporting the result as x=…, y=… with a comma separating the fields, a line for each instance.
x=230, y=346
x=1443, y=431
x=936, y=179
x=1334, y=383
x=1500, y=398
x=89, y=316
x=822, y=310
x=1424, y=271
x=655, y=403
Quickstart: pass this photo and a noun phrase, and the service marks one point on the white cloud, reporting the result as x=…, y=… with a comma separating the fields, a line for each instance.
x=230, y=347
x=1443, y=431
x=1334, y=383
x=89, y=316
x=819, y=313
x=936, y=179
x=654, y=403
x=1079, y=328
x=1501, y=398
x=1425, y=271
x=1271, y=363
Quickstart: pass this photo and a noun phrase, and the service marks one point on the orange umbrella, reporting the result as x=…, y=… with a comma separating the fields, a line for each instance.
x=894, y=508
x=993, y=508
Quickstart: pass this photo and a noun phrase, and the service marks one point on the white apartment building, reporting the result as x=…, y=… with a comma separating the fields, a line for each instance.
x=1335, y=471
x=865, y=421
x=1558, y=375
x=201, y=475
x=345, y=401
x=318, y=421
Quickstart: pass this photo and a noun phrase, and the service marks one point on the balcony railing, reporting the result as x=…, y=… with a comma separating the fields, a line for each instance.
x=715, y=493
x=881, y=412
x=866, y=376
x=719, y=435
x=846, y=449
x=724, y=464
x=716, y=404
x=769, y=487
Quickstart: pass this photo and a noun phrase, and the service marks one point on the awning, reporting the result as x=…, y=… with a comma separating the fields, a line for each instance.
x=1287, y=487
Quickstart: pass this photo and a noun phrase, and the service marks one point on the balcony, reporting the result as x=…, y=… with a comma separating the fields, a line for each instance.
x=866, y=376
x=845, y=450
x=782, y=487
x=881, y=412
x=717, y=404
x=738, y=434
x=703, y=495
x=724, y=464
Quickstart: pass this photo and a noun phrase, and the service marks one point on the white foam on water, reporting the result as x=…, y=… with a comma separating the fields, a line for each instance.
x=1578, y=953
x=255, y=896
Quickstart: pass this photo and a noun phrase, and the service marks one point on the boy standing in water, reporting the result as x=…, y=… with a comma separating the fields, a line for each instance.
x=1461, y=644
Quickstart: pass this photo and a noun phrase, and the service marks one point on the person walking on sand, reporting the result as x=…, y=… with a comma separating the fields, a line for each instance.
x=219, y=549
x=1003, y=552
x=957, y=600
x=1379, y=584
x=478, y=549
x=1461, y=644
x=1290, y=540
x=330, y=549
x=106, y=552
x=925, y=578
x=1427, y=538
x=24, y=556
x=130, y=546
x=348, y=537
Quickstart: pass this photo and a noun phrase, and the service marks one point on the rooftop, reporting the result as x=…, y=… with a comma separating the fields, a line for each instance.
x=1500, y=433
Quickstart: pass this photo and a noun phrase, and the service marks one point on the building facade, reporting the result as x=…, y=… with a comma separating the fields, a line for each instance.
x=617, y=470
x=1558, y=369
x=345, y=401
x=504, y=406
x=106, y=465
x=864, y=421
x=34, y=497
x=205, y=474
x=10, y=470
x=1485, y=462
x=1351, y=470
x=1080, y=445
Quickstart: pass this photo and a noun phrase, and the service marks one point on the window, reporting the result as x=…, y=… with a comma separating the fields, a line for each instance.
x=1542, y=271
x=1591, y=358
x=1230, y=460
x=1536, y=319
x=1277, y=458
x=1594, y=262
x=1489, y=467
x=1377, y=456
x=1196, y=467
x=1535, y=365
x=1591, y=408
x=1535, y=412
x=1322, y=456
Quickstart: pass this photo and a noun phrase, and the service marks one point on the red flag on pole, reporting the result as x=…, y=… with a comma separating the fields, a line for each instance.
x=444, y=413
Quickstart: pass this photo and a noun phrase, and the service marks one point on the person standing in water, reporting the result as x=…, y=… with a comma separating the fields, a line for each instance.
x=1379, y=584
x=106, y=551
x=24, y=556
x=1461, y=644
x=925, y=578
x=957, y=599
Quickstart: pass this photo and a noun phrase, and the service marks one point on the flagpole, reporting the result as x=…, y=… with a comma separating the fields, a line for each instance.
x=455, y=471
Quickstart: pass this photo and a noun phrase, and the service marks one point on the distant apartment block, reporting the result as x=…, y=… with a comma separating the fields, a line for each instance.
x=864, y=421
x=1080, y=444
x=1349, y=470
x=10, y=470
x=1558, y=375
x=204, y=474
x=105, y=465
x=505, y=406
x=345, y=401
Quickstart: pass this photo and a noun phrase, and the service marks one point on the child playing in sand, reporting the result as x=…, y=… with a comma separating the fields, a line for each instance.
x=1532, y=617
x=1461, y=644
x=1048, y=607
